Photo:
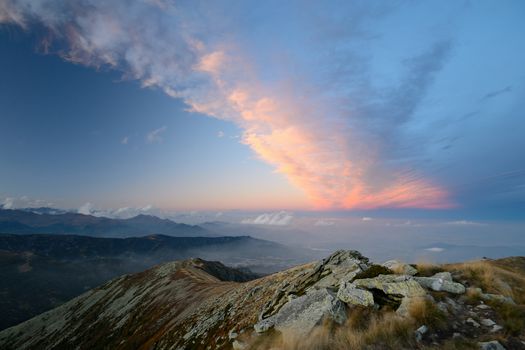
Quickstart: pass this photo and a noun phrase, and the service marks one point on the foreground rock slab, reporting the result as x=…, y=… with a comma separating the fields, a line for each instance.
x=303, y=313
x=352, y=295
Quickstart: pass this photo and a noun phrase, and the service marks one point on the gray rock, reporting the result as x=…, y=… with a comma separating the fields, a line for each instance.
x=402, y=285
x=341, y=265
x=399, y=266
x=487, y=322
x=498, y=298
x=444, y=275
x=482, y=307
x=349, y=294
x=473, y=322
x=496, y=328
x=232, y=335
x=420, y=332
x=303, y=313
x=456, y=308
x=491, y=297
x=491, y=345
x=439, y=284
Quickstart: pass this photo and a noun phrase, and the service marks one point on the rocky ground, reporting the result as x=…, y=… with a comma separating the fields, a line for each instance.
x=342, y=302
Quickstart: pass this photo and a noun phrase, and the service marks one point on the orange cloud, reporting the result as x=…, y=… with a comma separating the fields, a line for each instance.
x=289, y=125
x=309, y=150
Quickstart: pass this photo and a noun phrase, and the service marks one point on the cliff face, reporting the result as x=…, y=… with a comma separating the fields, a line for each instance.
x=333, y=304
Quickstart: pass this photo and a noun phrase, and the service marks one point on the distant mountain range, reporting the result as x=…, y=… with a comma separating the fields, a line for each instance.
x=55, y=221
x=41, y=271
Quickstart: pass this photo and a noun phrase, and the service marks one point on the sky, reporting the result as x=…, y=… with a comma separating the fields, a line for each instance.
x=340, y=106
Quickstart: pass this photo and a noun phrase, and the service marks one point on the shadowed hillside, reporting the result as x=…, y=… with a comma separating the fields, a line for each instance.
x=42, y=271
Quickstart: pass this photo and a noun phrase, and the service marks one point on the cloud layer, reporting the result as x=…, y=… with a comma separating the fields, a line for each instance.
x=281, y=218
x=333, y=133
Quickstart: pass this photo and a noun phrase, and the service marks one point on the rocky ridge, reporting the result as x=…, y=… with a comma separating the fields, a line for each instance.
x=186, y=305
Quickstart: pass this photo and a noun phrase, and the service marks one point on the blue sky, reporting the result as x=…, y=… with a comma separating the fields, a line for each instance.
x=340, y=106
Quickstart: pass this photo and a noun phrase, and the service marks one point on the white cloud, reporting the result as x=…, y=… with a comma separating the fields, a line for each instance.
x=324, y=223
x=465, y=223
x=119, y=213
x=281, y=218
x=8, y=203
x=125, y=140
x=86, y=209
x=366, y=218
x=220, y=134
x=435, y=249
x=155, y=136
x=23, y=202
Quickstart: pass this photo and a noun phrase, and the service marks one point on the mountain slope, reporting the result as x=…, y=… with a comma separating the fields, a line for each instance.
x=158, y=306
x=61, y=267
x=191, y=305
x=25, y=222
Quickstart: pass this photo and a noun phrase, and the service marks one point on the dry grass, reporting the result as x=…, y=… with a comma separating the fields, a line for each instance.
x=492, y=278
x=424, y=311
x=371, y=329
x=364, y=328
x=426, y=269
x=512, y=317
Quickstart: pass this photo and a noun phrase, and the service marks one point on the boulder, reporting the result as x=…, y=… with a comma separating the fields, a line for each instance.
x=498, y=298
x=487, y=322
x=491, y=345
x=352, y=295
x=491, y=297
x=440, y=284
x=400, y=267
x=496, y=328
x=447, y=276
x=420, y=332
x=402, y=285
x=473, y=322
x=303, y=313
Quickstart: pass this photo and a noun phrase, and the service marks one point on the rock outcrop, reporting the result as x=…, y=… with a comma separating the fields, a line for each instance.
x=350, y=294
x=441, y=282
x=400, y=267
x=303, y=313
x=341, y=265
x=186, y=305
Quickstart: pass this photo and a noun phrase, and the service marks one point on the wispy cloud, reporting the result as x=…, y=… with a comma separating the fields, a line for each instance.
x=465, y=223
x=337, y=145
x=281, y=218
x=155, y=136
x=125, y=140
x=119, y=213
x=220, y=134
x=435, y=249
x=324, y=223
x=23, y=202
x=496, y=93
